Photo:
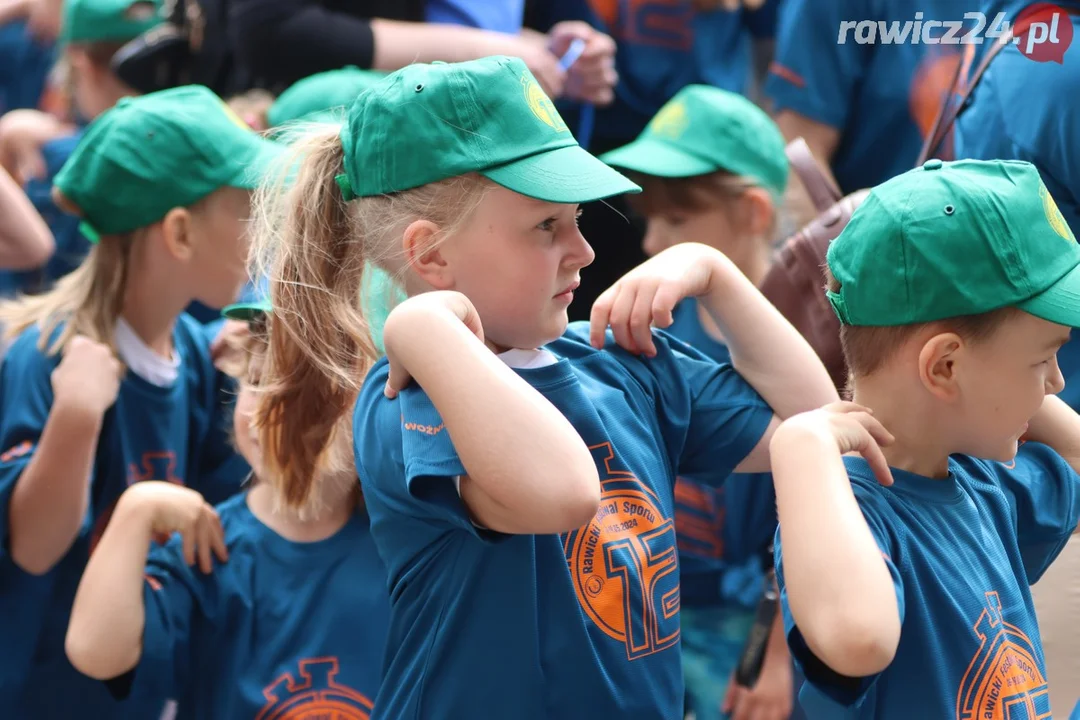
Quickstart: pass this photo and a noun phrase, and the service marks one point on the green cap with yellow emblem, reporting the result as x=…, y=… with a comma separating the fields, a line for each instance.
x=426, y=123
x=702, y=130
x=956, y=238
x=150, y=154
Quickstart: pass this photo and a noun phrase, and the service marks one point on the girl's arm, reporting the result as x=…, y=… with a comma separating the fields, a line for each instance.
x=104, y=637
x=25, y=240
x=765, y=348
x=50, y=497
x=528, y=470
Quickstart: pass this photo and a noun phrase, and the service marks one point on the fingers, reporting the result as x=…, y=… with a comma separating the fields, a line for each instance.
x=600, y=316
x=187, y=540
x=875, y=458
x=619, y=318
x=217, y=537
x=664, y=302
x=641, y=318
x=397, y=381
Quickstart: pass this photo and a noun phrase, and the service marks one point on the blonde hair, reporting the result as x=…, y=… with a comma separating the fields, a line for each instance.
x=87, y=301
x=313, y=246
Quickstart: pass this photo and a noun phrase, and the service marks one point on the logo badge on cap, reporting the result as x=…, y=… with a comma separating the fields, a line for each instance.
x=541, y=105
x=671, y=121
x=1054, y=216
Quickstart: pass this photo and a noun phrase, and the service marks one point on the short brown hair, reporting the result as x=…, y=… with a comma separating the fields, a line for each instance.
x=660, y=195
x=866, y=348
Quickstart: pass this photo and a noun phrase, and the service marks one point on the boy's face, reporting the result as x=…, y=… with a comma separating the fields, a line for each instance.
x=1002, y=382
x=516, y=259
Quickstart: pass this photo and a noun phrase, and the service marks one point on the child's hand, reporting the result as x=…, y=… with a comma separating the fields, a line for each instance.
x=88, y=377
x=171, y=508
x=771, y=698
x=22, y=134
x=593, y=77
x=646, y=296
x=854, y=429
x=459, y=307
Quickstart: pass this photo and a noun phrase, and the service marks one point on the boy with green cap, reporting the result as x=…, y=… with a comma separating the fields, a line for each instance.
x=713, y=170
x=108, y=382
x=905, y=573
x=521, y=490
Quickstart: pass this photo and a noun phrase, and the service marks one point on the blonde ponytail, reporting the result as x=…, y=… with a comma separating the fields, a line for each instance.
x=313, y=246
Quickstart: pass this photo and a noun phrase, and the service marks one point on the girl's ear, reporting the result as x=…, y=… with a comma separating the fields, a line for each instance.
x=176, y=228
x=421, y=246
x=759, y=212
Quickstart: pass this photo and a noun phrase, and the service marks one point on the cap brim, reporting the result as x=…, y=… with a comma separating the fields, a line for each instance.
x=259, y=158
x=650, y=157
x=247, y=311
x=565, y=175
x=1060, y=303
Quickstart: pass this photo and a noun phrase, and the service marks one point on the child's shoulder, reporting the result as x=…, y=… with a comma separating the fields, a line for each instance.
x=25, y=350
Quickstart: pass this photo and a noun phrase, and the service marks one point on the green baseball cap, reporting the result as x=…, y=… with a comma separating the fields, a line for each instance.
x=426, y=123
x=953, y=239
x=247, y=311
x=150, y=154
x=108, y=20
x=320, y=92
x=702, y=130
x=379, y=295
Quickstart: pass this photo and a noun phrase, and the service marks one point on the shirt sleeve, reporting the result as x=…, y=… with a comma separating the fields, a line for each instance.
x=710, y=417
x=287, y=40
x=1042, y=491
x=406, y=458
x=171, y=595
x=825, y=685
x=26, y=397
x=814, y=74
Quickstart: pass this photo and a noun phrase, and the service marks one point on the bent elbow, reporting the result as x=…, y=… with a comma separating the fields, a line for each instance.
x=97, y=660
x=856, y=646
x=582, y=500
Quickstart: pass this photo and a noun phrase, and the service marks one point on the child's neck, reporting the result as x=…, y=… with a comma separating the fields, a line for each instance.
x=152, y=317
x=918, y=448
x=338, y=506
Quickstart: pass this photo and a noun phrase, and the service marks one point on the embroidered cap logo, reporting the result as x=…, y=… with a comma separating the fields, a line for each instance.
x=541, y=105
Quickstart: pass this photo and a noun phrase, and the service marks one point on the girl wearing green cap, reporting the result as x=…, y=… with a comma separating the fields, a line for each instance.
x=282, y=604
x=712, y=168
x=521, y=490
x=107, y=382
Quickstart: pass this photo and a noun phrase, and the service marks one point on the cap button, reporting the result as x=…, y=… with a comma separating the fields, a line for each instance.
x=932, y=164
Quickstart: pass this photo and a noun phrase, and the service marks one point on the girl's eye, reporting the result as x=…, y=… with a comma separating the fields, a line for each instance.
x=548, y=225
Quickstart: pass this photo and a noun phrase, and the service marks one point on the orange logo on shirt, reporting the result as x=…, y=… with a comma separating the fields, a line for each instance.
x=624, y=563
x=314, y=696
x=17, y=451
x=1004, y=680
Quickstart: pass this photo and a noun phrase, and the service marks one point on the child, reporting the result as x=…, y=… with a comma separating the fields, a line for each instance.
x=521, y=491
x=905, y=573
x=712, y=169
x=35, y=145
x=161, y=182
x=293, y=624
